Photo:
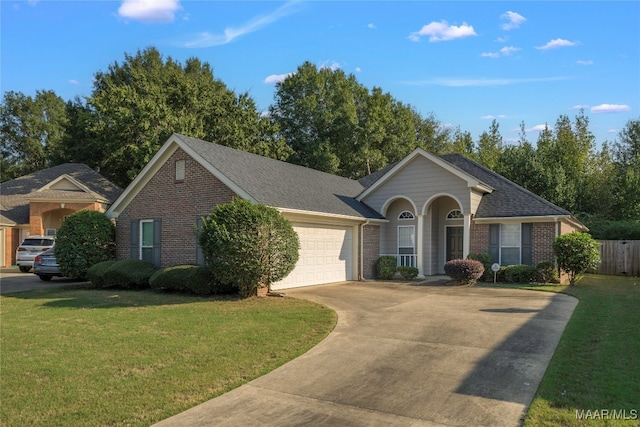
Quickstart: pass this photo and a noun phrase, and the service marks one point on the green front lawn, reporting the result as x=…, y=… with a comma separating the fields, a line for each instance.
x=596, y=367
x=81, y=357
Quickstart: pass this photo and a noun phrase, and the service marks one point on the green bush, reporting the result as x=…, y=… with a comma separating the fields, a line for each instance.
x=188, y=278
x=520, y=273
x=129, y=274
x=547, y=272
x=386, y=267
x=485, y=259
x=95, y=273
x=602, y=229
x=248, y=245
x=576, y=253
x=408, y=273
x=464, y=271
x=85, y=238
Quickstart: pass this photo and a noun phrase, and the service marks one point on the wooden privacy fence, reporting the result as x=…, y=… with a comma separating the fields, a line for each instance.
x=619, y=257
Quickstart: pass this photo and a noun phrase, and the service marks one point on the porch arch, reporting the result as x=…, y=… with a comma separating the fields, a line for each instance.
x=438, y=195
x=390, y=200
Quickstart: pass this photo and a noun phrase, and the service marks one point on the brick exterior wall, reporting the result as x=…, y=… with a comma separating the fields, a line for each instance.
x=371, y=239
x=543, y=234
x=178, y=204
x=37, y=210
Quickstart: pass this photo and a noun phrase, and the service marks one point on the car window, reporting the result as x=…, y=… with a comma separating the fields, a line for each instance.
x=37, y=242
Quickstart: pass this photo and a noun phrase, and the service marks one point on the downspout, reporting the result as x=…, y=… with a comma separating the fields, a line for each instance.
x=361, y=272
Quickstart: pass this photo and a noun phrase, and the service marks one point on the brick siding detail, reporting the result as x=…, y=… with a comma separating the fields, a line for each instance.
x=371, y=239
x=38, y=209
x=178, y=204
x=479, y=238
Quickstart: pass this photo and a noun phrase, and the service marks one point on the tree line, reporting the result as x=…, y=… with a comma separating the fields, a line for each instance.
x=320, y=118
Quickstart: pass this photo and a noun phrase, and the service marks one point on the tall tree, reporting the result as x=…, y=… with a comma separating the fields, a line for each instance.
x=31, y=131
x=490, y=146
x=462, y=143
x=138, y=104
x=626, y=155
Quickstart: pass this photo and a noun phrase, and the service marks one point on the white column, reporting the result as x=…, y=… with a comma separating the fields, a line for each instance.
x=466, y=238
x=419, y=244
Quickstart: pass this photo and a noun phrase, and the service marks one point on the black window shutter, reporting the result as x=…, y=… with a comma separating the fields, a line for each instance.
x=157, y=238
x=494, y=242
x=527, y=246
x=134, y=250
x=199, y=253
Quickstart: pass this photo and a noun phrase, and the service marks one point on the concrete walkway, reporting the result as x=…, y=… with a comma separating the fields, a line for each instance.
x=405, y=355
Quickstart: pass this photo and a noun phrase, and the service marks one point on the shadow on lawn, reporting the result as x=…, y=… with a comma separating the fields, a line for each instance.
x=85, y=296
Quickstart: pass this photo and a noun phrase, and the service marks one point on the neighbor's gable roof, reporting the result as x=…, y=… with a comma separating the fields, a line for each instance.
x=508, y=199
x=261, y=179
x=80, y=183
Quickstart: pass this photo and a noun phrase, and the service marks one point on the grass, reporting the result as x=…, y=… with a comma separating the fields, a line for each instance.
x=596, y=366
x=86, y=357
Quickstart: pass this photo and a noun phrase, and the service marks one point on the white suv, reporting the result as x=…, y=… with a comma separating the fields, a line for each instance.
x=30, y=247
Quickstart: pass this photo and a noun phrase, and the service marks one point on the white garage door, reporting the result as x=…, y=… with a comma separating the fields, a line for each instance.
x=325, y=256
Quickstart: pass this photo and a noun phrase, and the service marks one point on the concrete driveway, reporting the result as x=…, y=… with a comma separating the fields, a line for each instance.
x=406, y=355
x=12, y=280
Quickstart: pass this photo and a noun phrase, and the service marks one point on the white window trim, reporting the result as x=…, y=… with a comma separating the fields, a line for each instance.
x=459, y=214
x=140, y=237
x=413, y=233
x=408, y=216
x=519, y=247
x=180, y=170
x=50, y=232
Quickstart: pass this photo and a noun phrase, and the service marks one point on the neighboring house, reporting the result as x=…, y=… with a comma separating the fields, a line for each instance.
x=36, y=204
x=424, y=210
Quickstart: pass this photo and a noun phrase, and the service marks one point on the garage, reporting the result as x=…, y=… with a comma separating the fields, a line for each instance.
x=325, y=256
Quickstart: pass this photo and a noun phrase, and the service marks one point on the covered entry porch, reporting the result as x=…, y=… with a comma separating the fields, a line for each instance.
x=425, y=236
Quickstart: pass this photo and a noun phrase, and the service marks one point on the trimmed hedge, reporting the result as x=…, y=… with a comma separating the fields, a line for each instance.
x=95, y=273
x=520, y=274
x=386, y=267
x=408, y=273
x=464, y=271
x=485, y=259
x=547, y=272
x=189, y=278
x=125, y=274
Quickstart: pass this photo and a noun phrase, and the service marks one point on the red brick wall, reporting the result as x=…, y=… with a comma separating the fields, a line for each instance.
x=371, y=239
x=38, y=209
x=177, y=204
x=542, y=239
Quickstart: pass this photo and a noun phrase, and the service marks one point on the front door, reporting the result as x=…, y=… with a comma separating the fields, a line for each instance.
x=455, y=242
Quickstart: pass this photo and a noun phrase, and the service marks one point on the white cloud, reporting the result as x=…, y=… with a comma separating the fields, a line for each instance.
x=149, y=10
x=491, y=117
x=610, y=108
x=536, y=128
x=515, y=19
x=276, y=78
x=505, y=51
x=442, y=31
x=580, y=107
x=371, y=25
x=582, y=62
x=556, y=43
x=74, y=82
x=207, y=39
x=490, y=54
x=333, y=66
x=502, y=39
x=358, y=69
x=612, y=131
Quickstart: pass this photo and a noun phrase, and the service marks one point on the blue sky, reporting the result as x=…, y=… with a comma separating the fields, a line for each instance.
x=465, y=62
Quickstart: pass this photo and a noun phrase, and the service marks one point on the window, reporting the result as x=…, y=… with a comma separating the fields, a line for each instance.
x=50, y=232
x=406, y=244
x=455, y=214
x=510, y=244
x=146, y=240
x=406, y=215
x=180, y=170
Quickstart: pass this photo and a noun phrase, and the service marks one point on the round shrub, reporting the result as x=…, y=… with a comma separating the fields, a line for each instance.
x=188, y=278
x=408, y=273
x=576, y=253
x=464, y=271
x=85, y=238
x=248, y=245
x=520, y=273
x=386, y=267
x=129, y=274
x=96, y=272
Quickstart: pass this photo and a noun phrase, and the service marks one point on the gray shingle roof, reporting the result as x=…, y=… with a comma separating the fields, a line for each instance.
x=15, y=193
x=281, y=184
x=508, y=199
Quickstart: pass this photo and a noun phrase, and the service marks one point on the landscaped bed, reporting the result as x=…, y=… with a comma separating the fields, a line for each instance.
x=84, y=357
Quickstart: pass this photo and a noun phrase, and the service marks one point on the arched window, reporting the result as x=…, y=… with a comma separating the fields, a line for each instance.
x=455, y=214
x=406, y=215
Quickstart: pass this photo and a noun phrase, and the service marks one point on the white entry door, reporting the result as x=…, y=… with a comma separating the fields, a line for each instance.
x=325, y=256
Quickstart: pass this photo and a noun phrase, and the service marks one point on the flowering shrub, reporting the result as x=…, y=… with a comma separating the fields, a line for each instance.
x=464, y=271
